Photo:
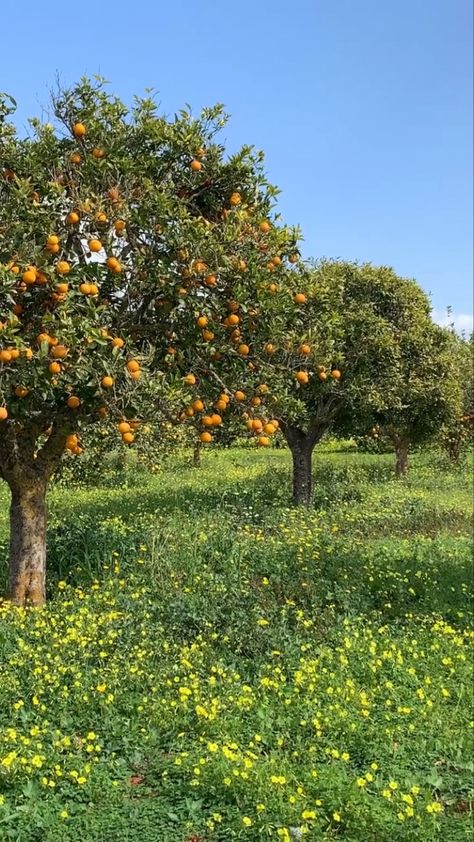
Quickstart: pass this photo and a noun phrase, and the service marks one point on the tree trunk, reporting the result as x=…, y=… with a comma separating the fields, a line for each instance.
x=401, y=453
x=197, y=455
x=302, y=453
x=28, y=544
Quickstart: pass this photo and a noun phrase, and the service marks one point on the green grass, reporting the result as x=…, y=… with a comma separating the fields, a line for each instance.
x=215, y=665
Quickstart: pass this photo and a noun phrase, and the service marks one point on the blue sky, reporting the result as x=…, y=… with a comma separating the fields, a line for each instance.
x=363, y=107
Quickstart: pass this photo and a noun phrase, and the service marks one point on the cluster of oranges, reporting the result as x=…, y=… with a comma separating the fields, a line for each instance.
x=127, y=430
x=302, y=377
x=262, y=429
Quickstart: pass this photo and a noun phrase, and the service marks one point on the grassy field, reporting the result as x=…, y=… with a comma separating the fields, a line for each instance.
x=214, y=665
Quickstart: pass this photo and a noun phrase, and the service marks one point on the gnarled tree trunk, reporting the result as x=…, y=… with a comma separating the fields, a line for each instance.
x=197, y=451
x=301, y=445
x=27, y=544
x=27, y=471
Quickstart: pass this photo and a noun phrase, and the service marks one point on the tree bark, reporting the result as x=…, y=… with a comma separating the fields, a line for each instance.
x=301, y=445
x=197, y=455
x=401, y=462
x=28, y=544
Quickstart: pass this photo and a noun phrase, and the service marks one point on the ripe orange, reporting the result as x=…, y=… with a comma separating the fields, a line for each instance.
x=107, y=382
x=72, y=441
x=101, y=218
x=302, y=377
x=128, y=438
x=54, y=368
x=198, y=405
x=243, y=350
x=207, y=420
x=78, y=450
x=216, y=419
x=263, y=389
x=135, y=375
x=95, y=245
x=59, y=352
x=265, y=227
x=336, y=374
x=199, y=266
x=63, y=267
x=263, y=441
x=269, y=348
x=5, y=356
x=190, y=379
x=97, y=152
x=221, y=405
x=21, y=391
x=79, y=130
x=239, y=396
x=73, y=402
x=207, y=335
x=117, y=342
x=29, y=276
x=276, y=261
x=322, y=376
x=3, y=413
x=210, y=280
x=42, y=337
x=124, y=427
x=14, y=353
x=255, y=401
x=300, y=298
x=189, y=412
x=114, y=265
x=196, y=165
x=304, y=349
x=85, y=288
x=235, y=199
x=202, y=321
x=62, y=288
x=205, y=437
x=269, y=428
x=75, y=158
x=133, y=365
x=72, y=218
x=120, y=225
x=257, y=424
x=273, y=288
x=94, y=289
x=293, y=258
x=233, y=319
x=52, y=240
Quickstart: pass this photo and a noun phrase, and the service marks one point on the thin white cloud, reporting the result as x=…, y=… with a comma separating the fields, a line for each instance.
x=463, y=322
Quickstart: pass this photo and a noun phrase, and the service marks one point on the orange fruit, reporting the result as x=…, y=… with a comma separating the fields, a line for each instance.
x=190, y=379
x=216, y=419
x=239, y=395
x=94, y=290
x=205, y=437
x=263, y=441
x=269, y=428
x=265, y=227
x=72, y=218
x=124, y=427
x=28, y=353
x=29, y=276
x=5, y=356
x=293, y=258
x=59, y=352
x=302, y=377
x=79, y=130
x=120, y=225
x=255, y=401
x=273, y=288
x=243, y=350
x=62, y=288
x=63, y=267
x=114, y=265
x=117, y=342
x=14, y=353
x=336, y=374
x=257, y=425
x=114, y=194
x=135, y=375
x=233, y=319
x=73, y=402
x=75, y=158
x=21, y=391
x=300, y=298
x=207, y=335
x=95, y=245
x=210, y=280
x=304, y=349
x=101, y=218
x=128, y=438
x=235, y=199
x=199, y=266
x=221, y=405
x=72, y=441
x=3, y=413
x=322, y=376
x=85, y=288
x=42, y=337
x=54, y=368
x=133, y=365
x=198, y=405
x=77, y=450
x=97, y=152
x=202, y=321
x=276, y=261
x=269, y=348
x=207, y=421
x=195, y=165
x=53, y=240
x=107, y=382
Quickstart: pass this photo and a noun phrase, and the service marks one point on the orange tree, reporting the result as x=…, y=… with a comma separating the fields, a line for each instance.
x=307, y=348
x=113, y=223
x=458, y=431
